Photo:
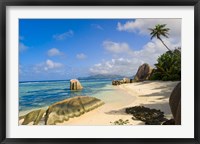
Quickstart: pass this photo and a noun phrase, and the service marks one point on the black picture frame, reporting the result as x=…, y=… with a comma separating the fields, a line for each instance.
x=5, y=3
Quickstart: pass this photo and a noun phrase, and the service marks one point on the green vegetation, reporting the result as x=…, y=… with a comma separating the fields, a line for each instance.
x=159, y=31
x=168, y=66
x=120, y=122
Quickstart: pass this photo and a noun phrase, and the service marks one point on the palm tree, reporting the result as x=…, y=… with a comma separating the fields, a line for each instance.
x=159, y=31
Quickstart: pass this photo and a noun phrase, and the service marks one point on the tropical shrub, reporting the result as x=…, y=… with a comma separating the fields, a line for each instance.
x=168, y=66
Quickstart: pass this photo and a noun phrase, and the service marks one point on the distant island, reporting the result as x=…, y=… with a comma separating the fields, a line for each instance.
x=102, y=76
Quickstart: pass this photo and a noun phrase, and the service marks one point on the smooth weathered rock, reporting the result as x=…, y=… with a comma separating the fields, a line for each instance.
x=115, y=82
x=126, y=80
x=123, y=81
x=143, y=73
x=169, y=122
x=151, y=74
x=75, y=85
x=175, y=103
x=178, y=115
x=33, y=117
x=69, y=108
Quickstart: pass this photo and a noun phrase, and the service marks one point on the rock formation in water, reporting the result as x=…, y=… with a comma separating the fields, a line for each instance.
x=75, y=85
x=143, y=73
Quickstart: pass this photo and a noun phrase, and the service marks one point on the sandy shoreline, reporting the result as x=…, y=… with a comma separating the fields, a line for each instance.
x=152, y=94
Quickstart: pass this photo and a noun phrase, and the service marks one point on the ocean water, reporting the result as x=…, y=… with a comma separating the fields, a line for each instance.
x=38, y=94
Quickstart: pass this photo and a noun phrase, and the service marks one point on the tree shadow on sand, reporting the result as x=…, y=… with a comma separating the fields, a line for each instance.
x=161, y=103
x=163, y=91
x=117, y=112
x=157, y=105
x=143, y=83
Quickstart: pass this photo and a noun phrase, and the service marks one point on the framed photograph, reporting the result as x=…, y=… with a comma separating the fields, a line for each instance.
x=99, y=71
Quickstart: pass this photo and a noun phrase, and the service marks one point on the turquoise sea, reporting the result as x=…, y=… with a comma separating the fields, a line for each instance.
x=38, y=94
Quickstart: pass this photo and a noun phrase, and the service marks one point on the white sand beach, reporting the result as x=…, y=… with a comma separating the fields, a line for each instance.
x=151, y=94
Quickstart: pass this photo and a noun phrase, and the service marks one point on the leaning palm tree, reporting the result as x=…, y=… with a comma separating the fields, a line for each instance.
x=158, y=31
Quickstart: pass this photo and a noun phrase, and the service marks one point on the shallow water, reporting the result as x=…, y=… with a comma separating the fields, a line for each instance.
x=34, y=95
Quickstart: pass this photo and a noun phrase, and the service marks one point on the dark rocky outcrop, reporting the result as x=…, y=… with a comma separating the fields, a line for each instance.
x=75, y=85
x=175, y=103
x=33, y=117
x=147, y=115
x=69, y=108
x=116, y=82
x=143, y=73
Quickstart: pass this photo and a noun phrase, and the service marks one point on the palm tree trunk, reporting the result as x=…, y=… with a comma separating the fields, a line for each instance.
x=164, y=44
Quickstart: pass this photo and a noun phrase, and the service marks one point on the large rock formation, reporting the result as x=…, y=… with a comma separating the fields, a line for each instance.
x=175, y=103
x=178, y=114
x=75, y=85
x=143, y=73
x=153, y=71
x=33, y=117
x=61, y=111
x=69, y=108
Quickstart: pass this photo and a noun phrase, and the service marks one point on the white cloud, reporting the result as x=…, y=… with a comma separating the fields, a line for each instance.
x=128, y=64
x=54, y=52
x=62, y=36
x=117, y=48
x=48, y=65
x=22, y=47
x=97, y=26
x=121, y=66
x=81, y=56
x=141, y=26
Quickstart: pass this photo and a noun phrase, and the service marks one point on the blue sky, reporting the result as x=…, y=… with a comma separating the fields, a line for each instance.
x=52, y=49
